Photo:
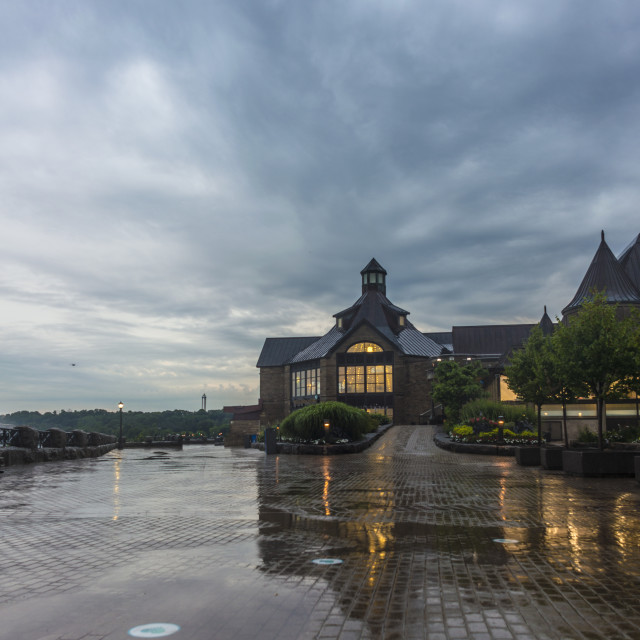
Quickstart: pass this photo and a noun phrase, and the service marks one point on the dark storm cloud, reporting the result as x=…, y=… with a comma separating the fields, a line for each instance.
x=182, y=180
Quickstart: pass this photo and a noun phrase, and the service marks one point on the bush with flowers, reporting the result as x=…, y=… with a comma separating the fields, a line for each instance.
x=465, y=433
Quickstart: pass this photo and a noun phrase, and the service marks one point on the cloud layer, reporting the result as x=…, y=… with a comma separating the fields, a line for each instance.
x=181, y=180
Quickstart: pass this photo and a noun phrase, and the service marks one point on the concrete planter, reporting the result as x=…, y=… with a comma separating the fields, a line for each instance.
x=551, y=458
x=80, y=438
x=596, y=463
x=57, y=438
x=528, y=456
x=27, y=437
x=637, y=467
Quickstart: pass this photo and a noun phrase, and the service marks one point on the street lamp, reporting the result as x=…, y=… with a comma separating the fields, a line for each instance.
x=120, y=441
x=500, y=429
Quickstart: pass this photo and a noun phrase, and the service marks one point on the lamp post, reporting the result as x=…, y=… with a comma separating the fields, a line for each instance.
x=120, y=441
x=500, y=430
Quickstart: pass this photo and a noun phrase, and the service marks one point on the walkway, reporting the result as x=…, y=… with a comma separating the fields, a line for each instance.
x=221, y=543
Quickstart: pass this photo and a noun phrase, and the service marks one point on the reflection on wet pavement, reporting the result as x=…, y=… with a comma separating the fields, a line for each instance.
x=221, y=543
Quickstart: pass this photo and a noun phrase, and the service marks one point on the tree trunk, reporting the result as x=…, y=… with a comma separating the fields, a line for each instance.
x=599, y=405
x=540, y=425
x=564, y=423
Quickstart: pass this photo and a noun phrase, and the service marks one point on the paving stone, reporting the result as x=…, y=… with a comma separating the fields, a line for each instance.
x=221, y=542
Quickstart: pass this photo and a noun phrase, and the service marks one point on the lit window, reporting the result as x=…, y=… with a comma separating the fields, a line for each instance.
x=366, y=347
x=366, y=379
x=305, y=383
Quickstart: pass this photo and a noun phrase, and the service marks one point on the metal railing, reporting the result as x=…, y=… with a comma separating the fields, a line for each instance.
x=8, y=436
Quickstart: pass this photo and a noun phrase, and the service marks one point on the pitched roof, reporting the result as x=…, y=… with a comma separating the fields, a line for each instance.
x=278, y=351
x=374, y=265
x=244, y=412
x=443, y=338
x=372, y=308
x=489, y=339
x=605, y=274
x=629, y=260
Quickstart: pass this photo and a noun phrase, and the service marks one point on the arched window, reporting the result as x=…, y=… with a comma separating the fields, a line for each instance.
x=364, y=347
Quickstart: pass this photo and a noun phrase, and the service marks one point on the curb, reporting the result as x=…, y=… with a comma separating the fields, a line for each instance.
x=327, y=449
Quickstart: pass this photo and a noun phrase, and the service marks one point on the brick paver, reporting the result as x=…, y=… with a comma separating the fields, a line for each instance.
x=221, y=543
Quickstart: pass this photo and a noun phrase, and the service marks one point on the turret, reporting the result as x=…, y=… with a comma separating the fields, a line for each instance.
x=374, y=278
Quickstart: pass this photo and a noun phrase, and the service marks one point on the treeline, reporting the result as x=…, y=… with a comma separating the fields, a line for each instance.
x=136, y=425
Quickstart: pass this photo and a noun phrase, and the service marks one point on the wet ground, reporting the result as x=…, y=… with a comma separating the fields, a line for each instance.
x=221, y=543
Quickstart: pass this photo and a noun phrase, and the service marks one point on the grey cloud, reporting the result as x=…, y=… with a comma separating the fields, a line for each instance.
x=182, y=180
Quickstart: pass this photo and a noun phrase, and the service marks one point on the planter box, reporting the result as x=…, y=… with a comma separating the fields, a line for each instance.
x=528, y=456
x=551, y=458
x=637, y=465
x=596, y=463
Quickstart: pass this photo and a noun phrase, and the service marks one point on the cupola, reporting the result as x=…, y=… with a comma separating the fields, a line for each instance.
x=374, y=278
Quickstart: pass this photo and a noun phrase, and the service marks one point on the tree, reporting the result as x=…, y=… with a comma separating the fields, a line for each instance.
x=597, y=351
x=532, y=373
x=455, y=384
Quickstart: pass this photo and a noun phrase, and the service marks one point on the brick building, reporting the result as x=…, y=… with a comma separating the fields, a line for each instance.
x=373, y=357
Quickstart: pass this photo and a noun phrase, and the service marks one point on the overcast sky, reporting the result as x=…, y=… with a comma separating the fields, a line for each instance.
x=181, y=179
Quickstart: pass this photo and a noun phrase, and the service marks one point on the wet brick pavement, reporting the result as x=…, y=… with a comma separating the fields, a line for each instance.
x=221, y=542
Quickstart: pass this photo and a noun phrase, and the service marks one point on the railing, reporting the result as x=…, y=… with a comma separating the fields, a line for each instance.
x=8, y=435
x=429, y=414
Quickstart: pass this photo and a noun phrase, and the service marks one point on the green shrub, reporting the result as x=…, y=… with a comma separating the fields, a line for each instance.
x=463, y=431
x=586, y=435
x=346, y=422
x=493, y=410
x=622, y=433
x=378, y=419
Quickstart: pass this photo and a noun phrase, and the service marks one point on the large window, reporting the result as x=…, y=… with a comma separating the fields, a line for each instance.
x=365, y=379
x=305, y=382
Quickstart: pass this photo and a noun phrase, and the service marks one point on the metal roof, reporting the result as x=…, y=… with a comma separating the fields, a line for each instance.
x=605, y=274
x=278, y=351
x=414, y=343
x=489, y=339
x=629, y=259
x=372, y=308
x=374, y=265
x=320, y=348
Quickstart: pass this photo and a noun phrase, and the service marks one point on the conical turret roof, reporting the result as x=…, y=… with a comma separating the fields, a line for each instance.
x=629, y=259
x=605, y=274
x=546, y=323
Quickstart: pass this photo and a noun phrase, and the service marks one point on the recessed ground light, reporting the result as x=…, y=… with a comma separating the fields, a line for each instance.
x=327, y=561
x=154, y=630
x=506, y=541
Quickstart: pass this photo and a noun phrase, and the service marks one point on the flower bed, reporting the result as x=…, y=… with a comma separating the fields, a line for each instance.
x=465, y=434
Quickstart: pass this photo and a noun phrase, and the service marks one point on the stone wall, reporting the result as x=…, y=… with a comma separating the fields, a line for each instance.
x=273, y=394
x=414, y=398
x=239, y=431
x=30, y=445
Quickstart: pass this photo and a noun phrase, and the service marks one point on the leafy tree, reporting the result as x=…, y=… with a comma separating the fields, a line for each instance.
x=598, y=352
x=454, y=385
x=532, y=373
